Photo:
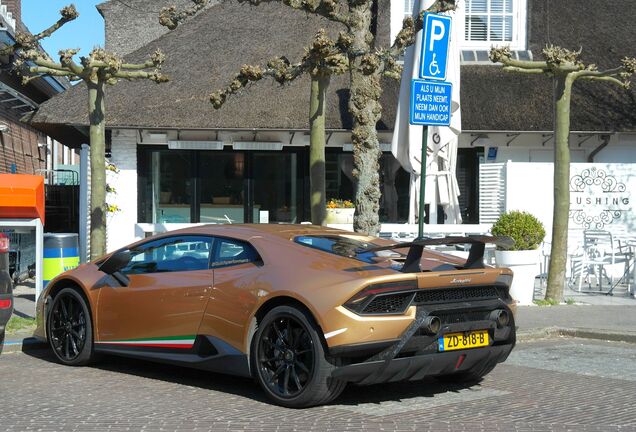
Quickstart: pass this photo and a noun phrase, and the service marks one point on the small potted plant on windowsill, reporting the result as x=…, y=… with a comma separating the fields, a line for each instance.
x=339, y=211
x=528, y=232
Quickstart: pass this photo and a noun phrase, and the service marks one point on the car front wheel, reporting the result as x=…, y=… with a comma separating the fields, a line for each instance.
x=289, y=361
x=70, y=329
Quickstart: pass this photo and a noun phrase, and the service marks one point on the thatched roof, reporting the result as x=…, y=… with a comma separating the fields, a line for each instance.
x=202, y=55
x=205, y=52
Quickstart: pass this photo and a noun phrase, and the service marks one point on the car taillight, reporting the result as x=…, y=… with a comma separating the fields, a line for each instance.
x=5, y=304
x=4, y=243
x=383, y=298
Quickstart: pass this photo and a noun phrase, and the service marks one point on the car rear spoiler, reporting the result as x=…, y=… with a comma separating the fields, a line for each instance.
x=475, y=256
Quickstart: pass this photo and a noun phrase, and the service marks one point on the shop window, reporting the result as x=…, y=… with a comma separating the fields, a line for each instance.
x=394, y=184
x=277, y=192
x=171, y=186
x=221, y=196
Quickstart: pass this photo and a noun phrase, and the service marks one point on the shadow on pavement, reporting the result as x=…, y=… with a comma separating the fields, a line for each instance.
x=247, y=387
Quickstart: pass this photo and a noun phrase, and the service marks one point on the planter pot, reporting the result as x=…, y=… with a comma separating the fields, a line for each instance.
x=524, y=265
x=340, y=215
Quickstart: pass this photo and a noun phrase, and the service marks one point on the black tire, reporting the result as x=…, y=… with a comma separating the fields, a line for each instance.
x=69, y=328
x=288, y=360
x=2, y=334
x=472, y=376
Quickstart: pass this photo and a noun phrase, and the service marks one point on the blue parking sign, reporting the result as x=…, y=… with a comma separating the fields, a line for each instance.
x=434, y=54
x=430, y=103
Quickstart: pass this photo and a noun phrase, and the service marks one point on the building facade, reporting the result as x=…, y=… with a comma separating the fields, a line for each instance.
x=181, y=161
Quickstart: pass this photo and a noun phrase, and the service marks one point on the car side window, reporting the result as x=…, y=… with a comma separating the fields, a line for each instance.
x=233, y=252
x=171, y=254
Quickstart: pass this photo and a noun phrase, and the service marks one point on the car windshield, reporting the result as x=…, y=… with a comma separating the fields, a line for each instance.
x=346, y=246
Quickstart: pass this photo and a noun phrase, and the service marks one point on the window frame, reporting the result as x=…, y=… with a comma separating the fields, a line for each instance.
x=519, y=29
x=148, y=245
x=215, y=249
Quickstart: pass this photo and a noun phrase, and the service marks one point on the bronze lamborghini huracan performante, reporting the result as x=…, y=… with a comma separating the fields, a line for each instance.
x=303, y=309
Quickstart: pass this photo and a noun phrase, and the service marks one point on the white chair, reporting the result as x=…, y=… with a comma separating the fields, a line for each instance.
x=598, y=251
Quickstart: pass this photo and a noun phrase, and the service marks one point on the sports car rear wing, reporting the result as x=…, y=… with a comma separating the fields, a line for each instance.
x=475, y=256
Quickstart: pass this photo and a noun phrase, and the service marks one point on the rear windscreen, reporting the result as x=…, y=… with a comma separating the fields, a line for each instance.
x=348, y=247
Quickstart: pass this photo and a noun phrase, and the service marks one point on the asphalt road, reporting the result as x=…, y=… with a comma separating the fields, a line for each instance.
x=558, y=384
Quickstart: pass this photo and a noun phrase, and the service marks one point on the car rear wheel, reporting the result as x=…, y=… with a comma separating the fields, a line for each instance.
x=289, y=360
x=70, y=329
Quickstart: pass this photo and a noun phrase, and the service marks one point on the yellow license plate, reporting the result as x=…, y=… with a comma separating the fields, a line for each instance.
x=456, y=341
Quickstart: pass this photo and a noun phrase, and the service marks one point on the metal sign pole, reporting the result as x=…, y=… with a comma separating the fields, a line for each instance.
x=420, y=216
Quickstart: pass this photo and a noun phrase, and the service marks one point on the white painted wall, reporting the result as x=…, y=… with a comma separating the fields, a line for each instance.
x=121, y=224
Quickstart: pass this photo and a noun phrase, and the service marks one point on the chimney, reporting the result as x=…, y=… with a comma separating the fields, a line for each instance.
x=15, y=7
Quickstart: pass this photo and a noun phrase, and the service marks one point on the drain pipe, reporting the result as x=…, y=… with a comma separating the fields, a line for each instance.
x=604, y=144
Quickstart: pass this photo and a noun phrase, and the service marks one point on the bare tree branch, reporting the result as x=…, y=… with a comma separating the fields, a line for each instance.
x=40, y=70
x=29, y=41
x=171, y=18
x=67, y=14
x=605, y=78
x=155, y=76
x=334, y=10
x=504, y=55
x=156, y=60
x=323, y=56
x=66, y=60
x=523, y=70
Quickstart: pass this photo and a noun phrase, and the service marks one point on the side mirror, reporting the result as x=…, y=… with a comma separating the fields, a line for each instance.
x=114, y=264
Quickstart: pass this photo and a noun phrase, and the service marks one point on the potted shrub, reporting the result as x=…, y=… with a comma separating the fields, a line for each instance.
x=523, y=258
x=339, y=211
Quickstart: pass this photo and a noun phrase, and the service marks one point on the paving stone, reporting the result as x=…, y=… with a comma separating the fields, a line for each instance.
x=554, y=385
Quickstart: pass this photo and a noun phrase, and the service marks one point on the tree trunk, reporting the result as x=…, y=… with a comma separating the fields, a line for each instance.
x=317, y=102
x=560, y=216
x=364, y=106
x=98, y=168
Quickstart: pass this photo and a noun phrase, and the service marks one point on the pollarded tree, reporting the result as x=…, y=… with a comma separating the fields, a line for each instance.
x=564, y=67
x=98, y=69
x=367, y=64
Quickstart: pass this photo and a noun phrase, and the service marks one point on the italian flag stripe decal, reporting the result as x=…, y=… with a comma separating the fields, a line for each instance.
x=183, y=342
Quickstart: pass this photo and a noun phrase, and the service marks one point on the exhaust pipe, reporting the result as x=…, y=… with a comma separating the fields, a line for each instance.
x=432, y=325
x=501, y=317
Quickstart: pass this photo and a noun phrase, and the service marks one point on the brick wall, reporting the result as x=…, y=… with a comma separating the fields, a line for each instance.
x=19, y=145
x=15, y=7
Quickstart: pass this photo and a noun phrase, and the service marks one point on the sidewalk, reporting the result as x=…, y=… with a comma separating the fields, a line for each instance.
x=594, y=316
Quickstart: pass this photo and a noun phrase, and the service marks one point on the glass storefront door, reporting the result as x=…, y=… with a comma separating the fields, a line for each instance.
x=277, y=196
x=221, y=187
x=171, y=186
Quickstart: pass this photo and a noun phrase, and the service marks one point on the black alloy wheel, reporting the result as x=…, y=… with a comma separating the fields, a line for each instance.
x=286, y=356
x=70, y=328
x=289, y=362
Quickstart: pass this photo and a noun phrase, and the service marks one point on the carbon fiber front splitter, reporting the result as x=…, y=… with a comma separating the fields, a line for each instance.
x=421, y=366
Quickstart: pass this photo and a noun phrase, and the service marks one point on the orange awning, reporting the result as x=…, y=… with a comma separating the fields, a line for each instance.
x=21, y=196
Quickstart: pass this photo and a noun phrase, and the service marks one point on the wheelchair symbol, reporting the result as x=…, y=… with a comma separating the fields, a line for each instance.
x=433, y=68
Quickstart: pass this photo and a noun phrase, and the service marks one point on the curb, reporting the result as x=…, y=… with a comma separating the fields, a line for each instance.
x=550, y=332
